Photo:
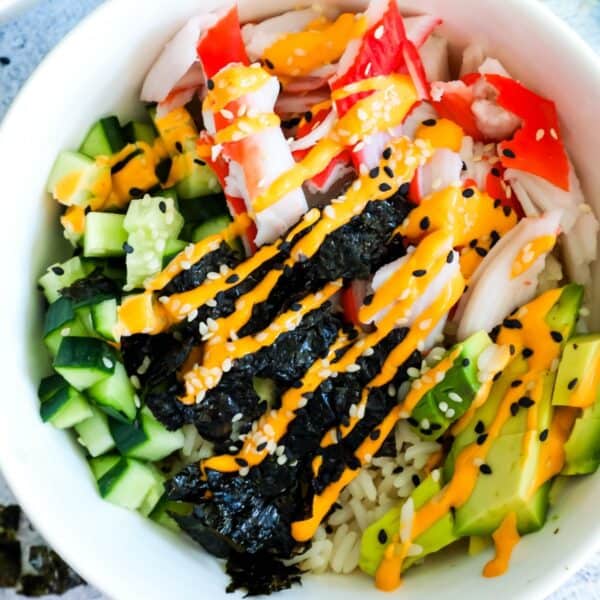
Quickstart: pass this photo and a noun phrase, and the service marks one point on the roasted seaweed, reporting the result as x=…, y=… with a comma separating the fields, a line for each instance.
x=52, y=574
x=92, y=289
x=196, y=275
x=10, y=517
x=10, y=563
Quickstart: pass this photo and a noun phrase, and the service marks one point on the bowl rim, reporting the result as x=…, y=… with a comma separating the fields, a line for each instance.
x=571, y=40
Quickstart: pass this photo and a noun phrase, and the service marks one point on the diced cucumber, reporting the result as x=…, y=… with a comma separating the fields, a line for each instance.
x=163, y=510
x=115, y=395
x=146, y=440
x=266, y=390
x=84, y=362
x=104, y=138
x=65, y=408
x=177, y=129
x=104, y=318
x=154, y=495
x=126, y=483
x=104, y=235
x=172, y=249
x=51, y=385
x=76, y=179
x=94, y=433
x=202, y=209
x=201, y=182
x=60, y=276
x=151, y=222
x=135, y=131
x=61, y=321
x=211, y=227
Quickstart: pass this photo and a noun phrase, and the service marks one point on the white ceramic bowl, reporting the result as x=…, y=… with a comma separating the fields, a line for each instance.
x=9, y=8
x=98, y=70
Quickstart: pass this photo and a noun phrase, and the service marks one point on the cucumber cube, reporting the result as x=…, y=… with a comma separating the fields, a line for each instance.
x=105, y=235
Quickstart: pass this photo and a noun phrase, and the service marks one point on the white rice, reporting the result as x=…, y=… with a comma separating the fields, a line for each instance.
x=377, y=488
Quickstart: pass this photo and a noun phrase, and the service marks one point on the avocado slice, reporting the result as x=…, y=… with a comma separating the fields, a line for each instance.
x=378, y=535
x=578, y=373
x=582, y=450
x=451, y=398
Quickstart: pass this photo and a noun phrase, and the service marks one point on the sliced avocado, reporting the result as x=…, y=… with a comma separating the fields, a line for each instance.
x=378, y=535
x=479, y=543
x=578, y=373
x=582, y=450
x=451, y=398
x=564, y=314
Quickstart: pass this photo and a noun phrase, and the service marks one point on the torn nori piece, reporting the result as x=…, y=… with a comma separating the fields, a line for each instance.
x=162, y=400
x=260, y=574
x=53, y=575
x=196, y=275
x=166, y=353
x=10, y=563
x=388, y=448
x=10, y=517
x=92, y=289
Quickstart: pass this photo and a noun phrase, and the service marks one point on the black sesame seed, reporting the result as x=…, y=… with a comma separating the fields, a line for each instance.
x=556, y=336
x=506, y=210
x=512, y=324
x=4, y=61
x=479, y=427
x=481, y=439
x=466, y=362
x=497, y=376
x=328, y=529
x=232, y=279
x=527, y=352
x=575, y=346
x=397, y=470
x=210, y=84
x=58, y=270
x=296, y=307
x=179, y=147
x=473, y=243
x=308, y=116
x=514, y=409
x=127, y=248
x=419, y=273
x=497, y=203
x=136, y=192
x=387, y=153
x=345, y=420
x=269, y=64
x=412, y=421
x=375, y=434
x=162, y=205
x=485, y=469
x=481, y=251
x=291, y=123
x=526, y=402
x=495, y=172
x=404, y=189
x=353, y=463
x=468, y=192
x=261, y=447
x=385, y=187
x=572, y=383
x=368, y=300
x=374, y=173
x=425, y=431
x=464, y=165
x=516, y=383
x=388, y=171
x=509, y=153
x=544, y=435
x=416, y=480
x=495, y=237
x=430, y=122
x=512, y=349
x=425, y=223
x=435, y=427
x=200, y=162
x=450, y=257
x=382, y=536
x=242, y=462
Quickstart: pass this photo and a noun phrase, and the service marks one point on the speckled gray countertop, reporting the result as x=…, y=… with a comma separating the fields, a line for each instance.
x=28, y=37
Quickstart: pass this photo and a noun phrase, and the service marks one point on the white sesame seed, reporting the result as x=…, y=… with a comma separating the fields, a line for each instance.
x=203, y=328
x=553, y=133
x=212, y=303
x=414, y=550
x=450, y=413
x=244, y=471
x=425, y=424
x=413, y=372
x=455, y=397
x=191, y=316
x=361, y=411
x=353, y=368
x=329, y=212
x=135, y=382
x=261, y=337
x=143, y=368
x=233, y=449
x=107, y=362
x=200, y=396
x=213, y=276
x=443, y=406
x=242, y=110
x=271, y=447
x=353, y=411
x=163, y=299
x=280, y=450
x=302, y=402
x=324, y=373
x=282, y=459
x=392, y=390
x=227, y=364
x=65, y=332
x=268, y=429
x=435, y=475
x=237, y=417
x=212, y=324
x=478, y=462
x=539, y=135
x=425, y=324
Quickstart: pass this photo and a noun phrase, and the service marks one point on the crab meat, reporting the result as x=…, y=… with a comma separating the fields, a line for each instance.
x=493, y=291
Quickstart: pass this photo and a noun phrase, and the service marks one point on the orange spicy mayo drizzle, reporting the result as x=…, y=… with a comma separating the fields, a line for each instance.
x=505, y=539
x=534, y=334
x=273, y=426
x=322, y=503
x=384, y=109
x=195, y=252
x=583, y=395
x=320, y=44
x=218, y=358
